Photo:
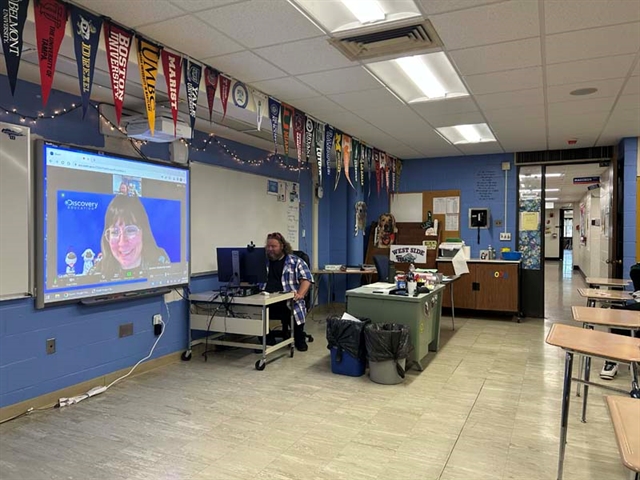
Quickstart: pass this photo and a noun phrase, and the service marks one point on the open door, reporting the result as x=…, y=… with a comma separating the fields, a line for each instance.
x=612, y=217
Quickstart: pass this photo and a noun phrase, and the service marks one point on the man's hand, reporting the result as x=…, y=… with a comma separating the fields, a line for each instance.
x=297, y=296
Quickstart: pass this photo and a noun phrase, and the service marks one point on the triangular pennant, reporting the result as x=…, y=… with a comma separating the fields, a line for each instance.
x=274, y=116
x=86, y=29
x=369, y=168
x=329, y=137
x=376, y=159
x=211, y=84
x=51, y=21
x=319, y=140
x=356, y=160
x=172, y=69
x=298, y=133
x=363, y=156
x=14, y=14
x=192, y=74
x=148, y=56
x=118, y=45
x=309, y=137
x=346, y=157
x=338, y=158
x=260, y=105
x=225, y=86
x=287, y=114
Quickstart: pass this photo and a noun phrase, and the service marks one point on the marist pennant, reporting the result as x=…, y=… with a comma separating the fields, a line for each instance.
x=172, y=68
x=86, y=35
x=118, y=45
x=51, y=20
x=14, y=14
x=192, y=74
x=148, y=56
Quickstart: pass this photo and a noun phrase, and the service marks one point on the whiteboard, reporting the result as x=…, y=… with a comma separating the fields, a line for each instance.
x=230, y=208
x=15, y=212
x=407, y=207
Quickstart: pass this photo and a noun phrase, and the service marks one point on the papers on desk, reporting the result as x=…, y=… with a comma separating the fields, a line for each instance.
x=380, y=286
x=459, y=262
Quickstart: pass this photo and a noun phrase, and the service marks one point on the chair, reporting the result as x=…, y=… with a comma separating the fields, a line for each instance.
x=382, y=267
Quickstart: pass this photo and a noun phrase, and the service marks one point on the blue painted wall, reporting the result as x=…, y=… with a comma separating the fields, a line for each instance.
x=629, y=148
x=87, y=340
x=465, y=174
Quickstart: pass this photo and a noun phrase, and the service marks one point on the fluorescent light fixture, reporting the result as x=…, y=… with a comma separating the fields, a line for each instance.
x=420, y=78
x=366, y=11
x=465, y=134
x=537, y=175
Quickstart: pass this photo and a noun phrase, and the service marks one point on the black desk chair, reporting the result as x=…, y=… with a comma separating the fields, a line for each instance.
x=382, y=267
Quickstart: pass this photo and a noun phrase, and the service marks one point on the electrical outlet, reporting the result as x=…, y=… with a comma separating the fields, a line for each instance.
x=51, y=346
x=505, y=237
x=125, y=330
x=157, y=319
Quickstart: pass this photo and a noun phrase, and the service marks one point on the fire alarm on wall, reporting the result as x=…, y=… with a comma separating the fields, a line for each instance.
x=572, y=141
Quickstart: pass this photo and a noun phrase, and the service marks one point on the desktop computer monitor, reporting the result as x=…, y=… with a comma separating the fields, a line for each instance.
x=242, y=264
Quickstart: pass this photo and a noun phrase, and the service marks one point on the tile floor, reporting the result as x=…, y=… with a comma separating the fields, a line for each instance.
x=487, y=407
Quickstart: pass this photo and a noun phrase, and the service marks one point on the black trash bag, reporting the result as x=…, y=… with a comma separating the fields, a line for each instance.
x=387, y=341
x=346, y=335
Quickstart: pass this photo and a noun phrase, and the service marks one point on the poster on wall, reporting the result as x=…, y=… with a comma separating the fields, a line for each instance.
x=408, y=253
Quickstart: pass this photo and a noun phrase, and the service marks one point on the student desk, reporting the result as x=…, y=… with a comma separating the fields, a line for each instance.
x=238, y=315
x=625, y=416
x=594, y=295
x=421, y=314
x=592, y=343
x=597, y=282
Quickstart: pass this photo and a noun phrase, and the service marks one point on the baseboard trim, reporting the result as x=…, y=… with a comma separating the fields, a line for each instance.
x=51, y=399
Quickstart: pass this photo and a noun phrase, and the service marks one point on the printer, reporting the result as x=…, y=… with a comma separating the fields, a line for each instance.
x=449, y=248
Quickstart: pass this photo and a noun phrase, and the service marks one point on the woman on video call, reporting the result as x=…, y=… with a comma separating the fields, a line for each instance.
x=127, y=241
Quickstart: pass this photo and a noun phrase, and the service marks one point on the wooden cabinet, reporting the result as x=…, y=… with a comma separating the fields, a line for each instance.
x=489, y=286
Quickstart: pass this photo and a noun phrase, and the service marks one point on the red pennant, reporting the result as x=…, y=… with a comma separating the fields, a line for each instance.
x=118, y=45
x=172, y=68
x=225, y=86
x=211, y=84
x=51, y=20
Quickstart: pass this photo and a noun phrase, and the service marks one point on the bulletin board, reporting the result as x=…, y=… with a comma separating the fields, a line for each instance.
x=428, y=205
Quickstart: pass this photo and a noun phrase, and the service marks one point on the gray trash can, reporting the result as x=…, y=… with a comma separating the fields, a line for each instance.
x=387, y=350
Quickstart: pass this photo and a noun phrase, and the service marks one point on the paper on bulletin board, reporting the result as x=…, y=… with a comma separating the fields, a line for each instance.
x=272, y=187
x=282, y=191
x=453, y=205
x=440, y=205
x=293, y=214
x=529, y=221
x=451, y=223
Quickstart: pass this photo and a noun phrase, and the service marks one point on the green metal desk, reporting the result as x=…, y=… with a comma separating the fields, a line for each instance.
x=421, y=314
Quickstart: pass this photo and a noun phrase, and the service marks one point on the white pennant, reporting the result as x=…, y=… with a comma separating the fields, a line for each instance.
x=260, y=104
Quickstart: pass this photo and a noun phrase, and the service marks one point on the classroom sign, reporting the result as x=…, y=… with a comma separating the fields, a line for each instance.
x=408, y=253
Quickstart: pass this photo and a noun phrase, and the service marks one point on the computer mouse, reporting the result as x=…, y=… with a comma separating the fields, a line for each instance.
x=264, y=293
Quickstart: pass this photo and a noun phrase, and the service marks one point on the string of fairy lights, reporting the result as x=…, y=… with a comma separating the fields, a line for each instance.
x=30, y=119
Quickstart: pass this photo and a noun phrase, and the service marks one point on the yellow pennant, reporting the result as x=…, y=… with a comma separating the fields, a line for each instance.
x=148, y=56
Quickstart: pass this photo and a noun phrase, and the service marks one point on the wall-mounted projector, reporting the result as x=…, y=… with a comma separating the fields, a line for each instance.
x=138, y=128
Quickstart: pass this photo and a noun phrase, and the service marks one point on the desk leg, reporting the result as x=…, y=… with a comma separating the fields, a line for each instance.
x=260, y=364
x=635, y=389
x=582, y=360
x=585, y=391
x=453, y=310
x=564, y=417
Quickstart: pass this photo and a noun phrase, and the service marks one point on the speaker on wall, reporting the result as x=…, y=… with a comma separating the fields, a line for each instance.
x=179, y=152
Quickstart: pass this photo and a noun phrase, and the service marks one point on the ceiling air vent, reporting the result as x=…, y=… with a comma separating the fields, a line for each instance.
x=395, y=41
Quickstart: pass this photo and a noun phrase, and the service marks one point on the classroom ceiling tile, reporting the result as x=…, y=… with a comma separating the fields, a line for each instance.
x=260, y=23
x=177, y=34
x=587, y=70
x=606, y=88
x=510, y=114
x=365, y=99
x=445, y=107
x=531, y=143
x=520, y=79
x=623, y=123
x=245, y=66
x=495, y=58
x=520, y=98
x=402, y=151
x=636, y=71
x=295, y=57
x=399, y=122
x=133, y=14
x=432, y=7
x=598, y=42
x=567, y=125
x=318, y=106
x=480, y=148
x=559, y=142
x=493, y=23
x=197, y=5
x=287, y=88
x=564, y=16
x=341, y=81
x=468, y=118
x=433, y=150
x=578, y=107
x=632, y=87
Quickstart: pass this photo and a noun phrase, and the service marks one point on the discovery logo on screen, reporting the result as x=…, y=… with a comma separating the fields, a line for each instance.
x=80, y=205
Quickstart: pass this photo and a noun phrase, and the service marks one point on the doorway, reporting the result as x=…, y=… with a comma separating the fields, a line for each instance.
x=565, y=235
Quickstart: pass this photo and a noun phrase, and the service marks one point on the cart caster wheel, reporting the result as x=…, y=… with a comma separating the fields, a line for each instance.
x=310, y=339
x=260, y=364
x=186, y=356
x=635, y=393
x=292, y=351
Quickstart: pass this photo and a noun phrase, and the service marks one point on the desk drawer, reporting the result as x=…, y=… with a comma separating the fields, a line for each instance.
x=248, y=321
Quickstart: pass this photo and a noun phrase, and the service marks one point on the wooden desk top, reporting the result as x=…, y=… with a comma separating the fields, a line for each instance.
x=607, y=316
x=607, y=282
x=348, y=271
x=604, y=294
x=625, y=415
x=595, y=343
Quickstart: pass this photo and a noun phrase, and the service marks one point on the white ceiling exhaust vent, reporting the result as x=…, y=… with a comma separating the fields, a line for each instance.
x=390, y=42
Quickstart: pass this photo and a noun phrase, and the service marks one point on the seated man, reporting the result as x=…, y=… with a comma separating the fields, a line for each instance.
x=610, y=369
x=288, y=273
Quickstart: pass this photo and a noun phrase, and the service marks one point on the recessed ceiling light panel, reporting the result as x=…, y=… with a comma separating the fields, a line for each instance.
x=465, y=134
x=420, y=78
